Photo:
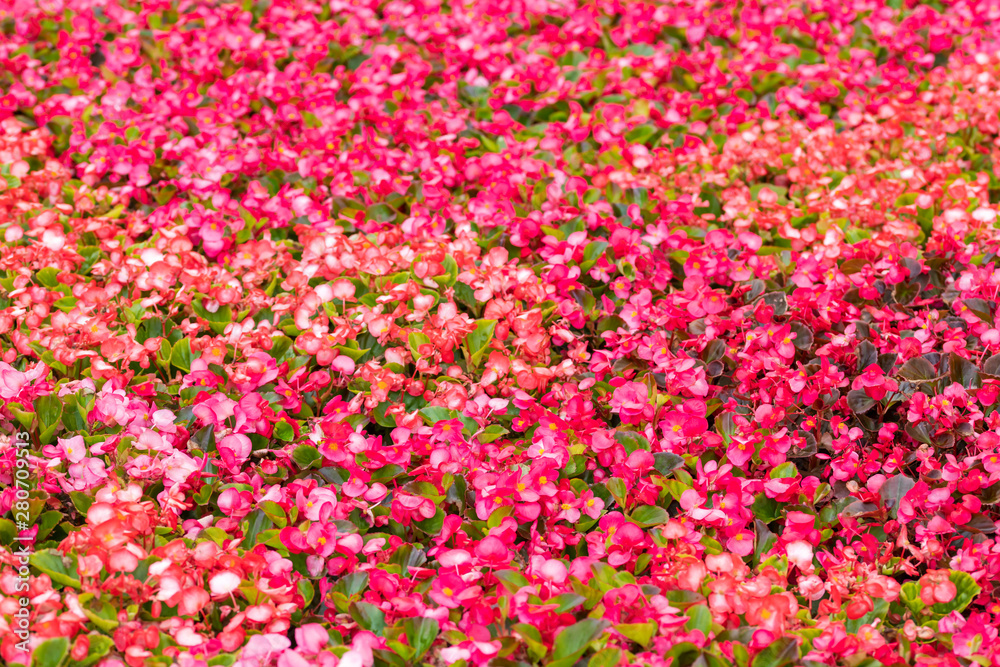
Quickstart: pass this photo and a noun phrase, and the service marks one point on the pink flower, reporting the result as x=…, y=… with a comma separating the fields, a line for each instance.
x=215, y=409
x=592, y=505
x=343, y=364
x=741, y=543
x=451, y=591
x=491, y=551
x=263, y=647
x=224, y=583
x=111, y=407
x=631, y=400
x=87, y=473
x=311, y=638
x=553, y=571
x=800, y=554
x=235, y=450
x=11, y=381
x=875, y=383
x=234, y=502
x=73, y=449
x=739, y=452
x=811, y=587
x=319, y=504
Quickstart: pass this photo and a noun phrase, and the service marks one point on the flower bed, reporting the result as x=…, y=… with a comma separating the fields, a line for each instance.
x=382, y=333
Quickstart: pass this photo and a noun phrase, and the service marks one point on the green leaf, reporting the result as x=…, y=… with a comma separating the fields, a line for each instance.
x=741, y=655
x=256, y=523
x=632, y=441
x=368, y=616
x=665, y=462
x=680, y=653
x=640, y=633
x=433, y=414
x=205, y=438
x=784, y=471
x=50, y=653
x=699, y=618
x=573, y=641
x=650, y=515
x=567, y=602
x=284, y=431
x=163, y=354
x=917, y=369
x=352, y=584
x=351, y=352
x=641, y=134
x=592, y=253
x=781, y=652
x=416, y=341
x=712, y=545
x=465, y=294
x=51, y=563
x=7, y=531
x=478, y=341
x=492, y=432
x=381, y=212
x=306, y=456
x=217, y=320
x=859, y=402
x=100, y=612
x=609, y=657
x=765, y=539
x=645, y=50
x=180, y=355
x=274, y=512
x=66, y=304
x=24, y=417
x=925, y=218
x=893, y=490
x=307, y=591
x=964, y=371
x=49, y=410
x=400, y=654
x=81, y=501
x=451, y=272
x=380, y=417
x=49, y=277
x=638, y=196
x=512, y=580
x=531, y=638
x=909, y=595
x=421, y=633
x=46, y=522
x=766, y=509
x=616, y=487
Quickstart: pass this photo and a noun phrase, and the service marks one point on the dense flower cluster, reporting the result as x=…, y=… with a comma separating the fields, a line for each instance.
x=372, y=333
